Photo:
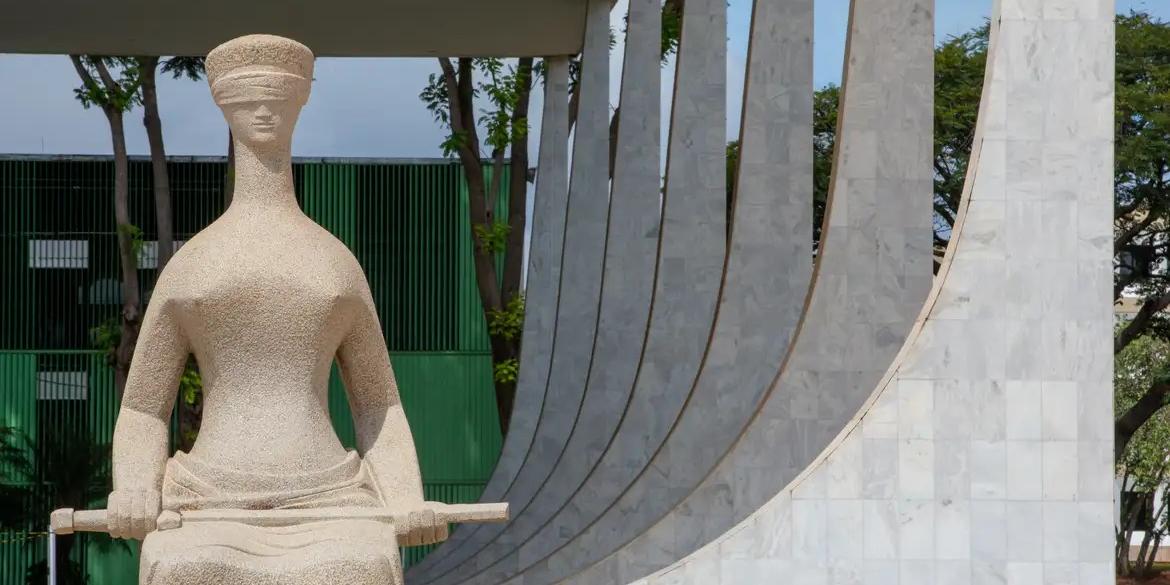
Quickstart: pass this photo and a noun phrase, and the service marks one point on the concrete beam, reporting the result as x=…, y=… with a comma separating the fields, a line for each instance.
x=355, y=28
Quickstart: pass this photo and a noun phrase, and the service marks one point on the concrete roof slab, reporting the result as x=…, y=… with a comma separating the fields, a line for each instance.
x=343, y=28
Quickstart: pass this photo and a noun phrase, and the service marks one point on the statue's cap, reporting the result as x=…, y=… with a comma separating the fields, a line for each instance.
x=256, y=53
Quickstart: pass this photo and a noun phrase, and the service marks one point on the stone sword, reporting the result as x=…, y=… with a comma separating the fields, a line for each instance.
x=68, y=520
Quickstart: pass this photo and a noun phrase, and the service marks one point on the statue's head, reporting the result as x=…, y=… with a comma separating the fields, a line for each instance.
x=261, y=82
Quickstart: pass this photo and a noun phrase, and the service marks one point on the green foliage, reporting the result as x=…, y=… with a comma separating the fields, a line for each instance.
x=671, y=27
x=123, y=96
x=824, y=142
x=507, y=371
x=500, y=84
x=64, y=468
x=134, y=233
x=191, y=394
x=434, y=97
x=16, y=470
x=68, y=573
x=1141, y=364
x=508, y=323
x=1143, y=118
x=191, y=386
x=1143, y=465
x=1142, y=168
x=106, y=335
x=452, y=143
x=494, y=238
x=960, y=64
x=192, y=68
x=54, y=460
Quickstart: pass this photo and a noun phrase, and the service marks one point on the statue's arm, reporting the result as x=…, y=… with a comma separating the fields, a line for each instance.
x=140, y=435
x=383, y=435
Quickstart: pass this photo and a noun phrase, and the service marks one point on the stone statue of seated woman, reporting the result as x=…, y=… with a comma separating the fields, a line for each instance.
x=266, y=300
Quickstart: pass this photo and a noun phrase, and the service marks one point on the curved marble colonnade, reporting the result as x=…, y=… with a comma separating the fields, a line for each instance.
x=563, y=339
x=873, y=274
x=631, y=252
x=689, y=278
x=730, y=451
x=769, y=263
x=985, y=455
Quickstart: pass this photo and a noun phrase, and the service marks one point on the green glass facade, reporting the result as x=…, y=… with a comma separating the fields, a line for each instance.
x=406, y=221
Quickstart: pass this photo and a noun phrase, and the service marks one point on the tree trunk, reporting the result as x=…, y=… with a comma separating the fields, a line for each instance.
x=147, y=66
x=1125, y=527
x=131, y=313
x=518, y=187
x=460, y=96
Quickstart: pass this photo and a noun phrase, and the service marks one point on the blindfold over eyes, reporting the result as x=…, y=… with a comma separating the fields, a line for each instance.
x=264, y=86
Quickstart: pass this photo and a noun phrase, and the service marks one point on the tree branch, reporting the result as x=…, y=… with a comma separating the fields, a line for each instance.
x=466, y=100
x=1128, y=423
x=82, y=72
x=1140, y=322
x=1126, y=235
x=103, y=72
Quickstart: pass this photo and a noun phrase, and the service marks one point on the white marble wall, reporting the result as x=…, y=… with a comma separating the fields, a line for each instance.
x=985, y=454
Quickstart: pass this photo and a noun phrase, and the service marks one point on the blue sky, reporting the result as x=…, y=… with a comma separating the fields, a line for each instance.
x=360, y=107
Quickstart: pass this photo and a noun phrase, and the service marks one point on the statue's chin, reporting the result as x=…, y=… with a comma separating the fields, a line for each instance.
x=264, y=140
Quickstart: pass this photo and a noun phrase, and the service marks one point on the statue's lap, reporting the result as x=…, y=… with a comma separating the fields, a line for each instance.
x=230, y=553
x=344, y=551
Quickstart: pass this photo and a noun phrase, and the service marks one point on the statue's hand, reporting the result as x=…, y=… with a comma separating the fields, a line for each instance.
x=132, y=513
x=424, y=528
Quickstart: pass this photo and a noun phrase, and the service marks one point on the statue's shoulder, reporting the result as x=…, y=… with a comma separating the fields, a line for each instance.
x=336, y=253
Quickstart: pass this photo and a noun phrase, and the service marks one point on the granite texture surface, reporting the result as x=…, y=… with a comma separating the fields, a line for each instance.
x=266, y=300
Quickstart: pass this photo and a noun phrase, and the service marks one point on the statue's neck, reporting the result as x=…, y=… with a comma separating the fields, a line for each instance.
x=264, y=179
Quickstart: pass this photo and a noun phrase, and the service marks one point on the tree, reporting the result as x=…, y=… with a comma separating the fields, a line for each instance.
x=115, y=97
x=1143, y=197
x=451, y=98
x=190, y=404
x=147, y=70
x=191, y=67
x=960, y=64
x=1143, y=465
